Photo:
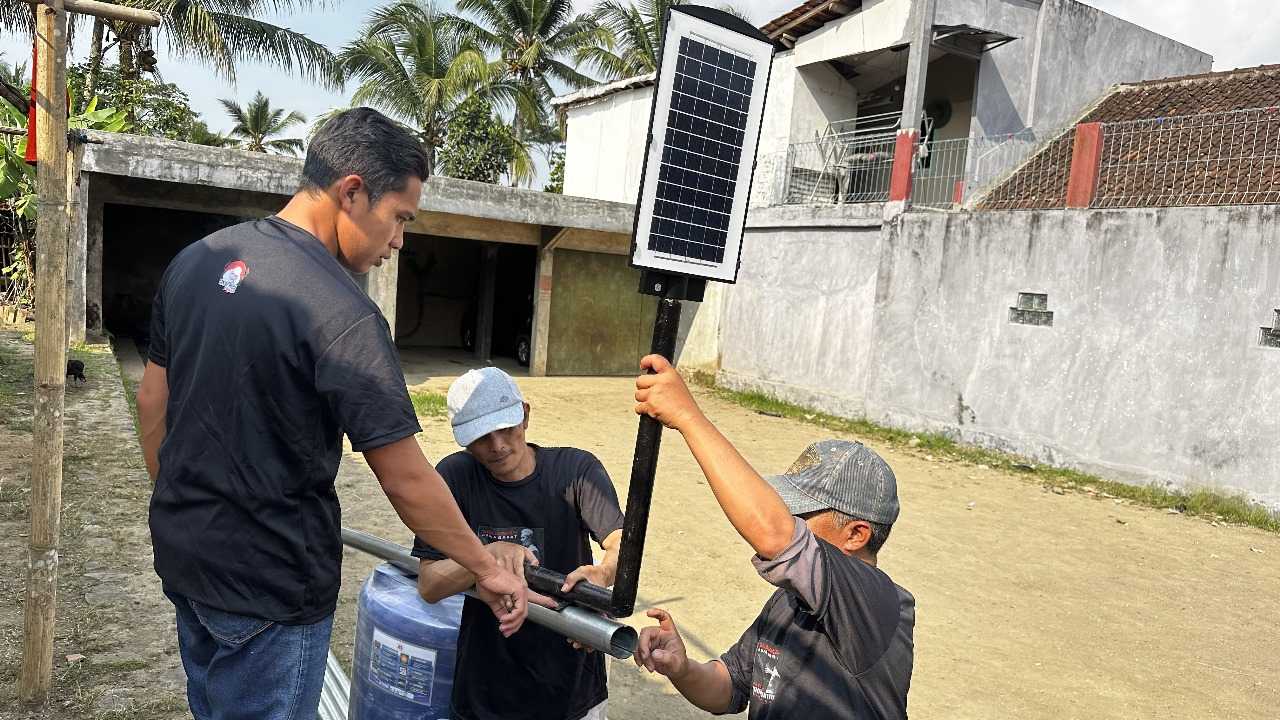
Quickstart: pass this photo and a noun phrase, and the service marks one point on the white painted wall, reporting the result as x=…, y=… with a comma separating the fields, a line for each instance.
x=880, y=24
x=605, y=148
x=821, y=96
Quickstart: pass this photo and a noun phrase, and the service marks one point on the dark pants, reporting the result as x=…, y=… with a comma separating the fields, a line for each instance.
x=244, y=667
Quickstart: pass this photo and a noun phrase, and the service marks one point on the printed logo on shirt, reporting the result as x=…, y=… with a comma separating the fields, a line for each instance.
x=764, y=677
x=232, y=275
x=531, y=538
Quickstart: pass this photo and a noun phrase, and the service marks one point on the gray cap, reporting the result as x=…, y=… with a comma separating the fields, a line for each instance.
x=840, y=475
x=482, y=401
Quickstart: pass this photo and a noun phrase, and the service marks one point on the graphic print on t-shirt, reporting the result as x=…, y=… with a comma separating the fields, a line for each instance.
x=764, y=678
x=232, y=274
x=531, y=538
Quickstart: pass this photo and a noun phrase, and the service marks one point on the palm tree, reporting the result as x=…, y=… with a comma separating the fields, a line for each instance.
x=534, y=43
x=631, y=38
x=258, y=123
x=202, y=135
x=413, y=67
x=218, y=32
x=15, y=85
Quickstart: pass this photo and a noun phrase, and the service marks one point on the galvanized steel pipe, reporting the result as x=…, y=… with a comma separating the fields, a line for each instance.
x=582, y=626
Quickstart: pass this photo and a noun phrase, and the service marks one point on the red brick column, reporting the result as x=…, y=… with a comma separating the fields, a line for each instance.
x=1086, y=159
x=903, y=165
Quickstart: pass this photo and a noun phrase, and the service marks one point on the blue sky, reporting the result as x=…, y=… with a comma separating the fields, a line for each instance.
x=1236, y=32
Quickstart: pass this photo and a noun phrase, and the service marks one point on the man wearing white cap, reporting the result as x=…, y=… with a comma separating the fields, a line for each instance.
x=525, y=502
x=835, y=640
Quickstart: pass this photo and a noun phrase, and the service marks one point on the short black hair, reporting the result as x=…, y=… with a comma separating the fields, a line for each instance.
x=879, y=531
x=364, y=142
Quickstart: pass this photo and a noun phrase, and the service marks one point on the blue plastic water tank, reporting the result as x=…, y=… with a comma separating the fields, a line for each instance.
x=405, y=650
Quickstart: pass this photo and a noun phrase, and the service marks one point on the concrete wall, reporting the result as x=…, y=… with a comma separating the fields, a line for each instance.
x=775, y=130
x=1066, y=56
x=1151, y=371
x=1100, y=50
x=798, y=323
x=879, y=24
x=1006, y=74
x=821, y=96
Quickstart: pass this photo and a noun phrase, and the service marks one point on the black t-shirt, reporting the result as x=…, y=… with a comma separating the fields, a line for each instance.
x=272, y=352
x=535, y=674
x=835, y=640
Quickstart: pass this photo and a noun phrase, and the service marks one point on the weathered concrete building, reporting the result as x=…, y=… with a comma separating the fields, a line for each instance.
x=1104, y=325
x=993, y=67
x=482, y=264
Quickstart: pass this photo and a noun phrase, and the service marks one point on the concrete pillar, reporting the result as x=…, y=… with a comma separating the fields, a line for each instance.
x=904, y=153
x=541, y=313
x=1086, y=160
x=382, y=284
x=93, y=265
x=77, y=248
x=920, y=31
x=484, y=318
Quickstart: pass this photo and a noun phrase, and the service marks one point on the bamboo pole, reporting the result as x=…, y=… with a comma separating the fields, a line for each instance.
x=105, y=10
x=51, y=353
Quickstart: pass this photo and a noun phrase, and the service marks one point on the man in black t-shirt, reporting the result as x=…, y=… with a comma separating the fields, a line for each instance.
x=264, y=352
x=526, y=503
x=835, y=641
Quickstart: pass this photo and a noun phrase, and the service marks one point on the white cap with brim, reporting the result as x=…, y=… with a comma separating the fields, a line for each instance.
x=483, y=401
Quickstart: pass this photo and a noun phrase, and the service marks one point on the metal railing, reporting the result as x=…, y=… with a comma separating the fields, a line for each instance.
x=938, y=179
x=1036, y=183
x=832, y=172
x=1226, y=158
x=948, y=174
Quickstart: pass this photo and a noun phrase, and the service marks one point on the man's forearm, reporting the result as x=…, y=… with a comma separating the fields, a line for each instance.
x=609, y=562
x=428, y=509
x=749, y=502
x=706, y=685
x=442, y=578
x=151, y=425
x=425, y=505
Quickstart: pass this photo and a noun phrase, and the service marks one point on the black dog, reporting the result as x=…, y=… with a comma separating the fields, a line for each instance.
x=75, y=370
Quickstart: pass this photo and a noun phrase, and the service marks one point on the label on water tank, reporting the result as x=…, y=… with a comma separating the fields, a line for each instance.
x=404, y=670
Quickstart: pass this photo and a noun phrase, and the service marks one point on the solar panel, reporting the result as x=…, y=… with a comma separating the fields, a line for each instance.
x=707, y=112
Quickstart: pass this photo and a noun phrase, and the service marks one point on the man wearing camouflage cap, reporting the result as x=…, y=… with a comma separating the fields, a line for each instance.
x=835, y=640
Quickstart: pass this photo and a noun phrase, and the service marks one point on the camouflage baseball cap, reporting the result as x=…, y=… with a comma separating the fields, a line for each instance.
x=840, y=475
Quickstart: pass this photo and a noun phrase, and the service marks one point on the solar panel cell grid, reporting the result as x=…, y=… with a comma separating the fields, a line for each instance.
x=706, y=128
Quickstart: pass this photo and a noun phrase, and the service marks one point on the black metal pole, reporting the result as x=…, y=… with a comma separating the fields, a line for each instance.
x=643, y=470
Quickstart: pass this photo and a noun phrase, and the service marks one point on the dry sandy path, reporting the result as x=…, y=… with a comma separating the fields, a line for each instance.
x=1030, y=604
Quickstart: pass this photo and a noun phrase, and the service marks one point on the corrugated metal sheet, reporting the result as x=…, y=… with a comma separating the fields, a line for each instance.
x=336, y=693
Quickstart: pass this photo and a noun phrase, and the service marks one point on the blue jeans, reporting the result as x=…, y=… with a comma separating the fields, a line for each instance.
x=244, y=667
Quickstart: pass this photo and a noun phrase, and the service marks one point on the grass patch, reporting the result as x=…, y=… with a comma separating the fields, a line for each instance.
x=1205, y=503
x=428, y=404
x=131, y=397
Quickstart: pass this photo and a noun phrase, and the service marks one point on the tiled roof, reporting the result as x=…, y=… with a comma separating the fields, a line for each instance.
x=807, y=17
x=1193, y=148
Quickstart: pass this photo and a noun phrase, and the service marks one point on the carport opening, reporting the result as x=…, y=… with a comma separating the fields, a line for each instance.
x=438, y=301
x=137, y=245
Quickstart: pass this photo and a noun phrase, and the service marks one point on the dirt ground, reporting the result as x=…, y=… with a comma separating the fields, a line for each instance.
x=1031, y=604
x=112, y=619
